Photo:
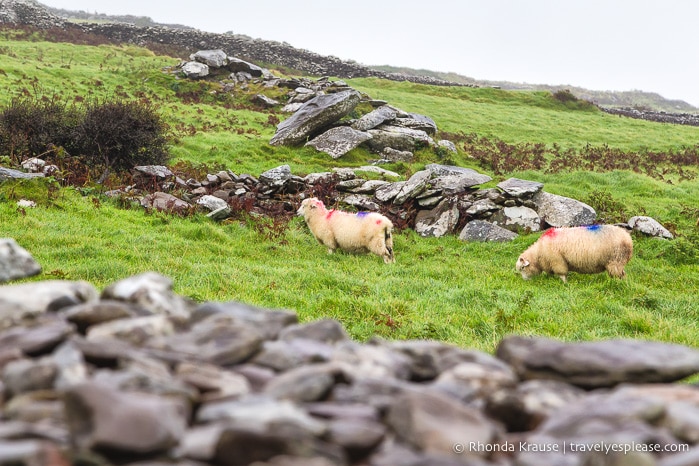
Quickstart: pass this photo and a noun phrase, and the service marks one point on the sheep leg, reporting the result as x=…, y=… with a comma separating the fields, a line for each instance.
x=378, y=247
x=560, y=268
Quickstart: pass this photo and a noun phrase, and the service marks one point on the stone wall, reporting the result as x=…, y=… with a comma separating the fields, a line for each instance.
x=137, y=375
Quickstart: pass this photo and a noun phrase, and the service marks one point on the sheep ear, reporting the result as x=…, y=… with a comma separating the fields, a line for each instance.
x=524, y=262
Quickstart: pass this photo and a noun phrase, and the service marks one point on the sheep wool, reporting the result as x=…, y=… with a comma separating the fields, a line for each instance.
x=360, y=232
x=587, y=249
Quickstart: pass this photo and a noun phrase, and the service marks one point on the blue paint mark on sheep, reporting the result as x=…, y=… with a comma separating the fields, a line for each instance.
x=362, y=214
x=593, y=227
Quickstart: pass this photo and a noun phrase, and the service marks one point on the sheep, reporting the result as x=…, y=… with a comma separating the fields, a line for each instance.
x=587, y=249
x=360, y=232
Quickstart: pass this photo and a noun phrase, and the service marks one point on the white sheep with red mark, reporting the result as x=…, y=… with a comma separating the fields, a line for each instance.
x=360, y=232
x=588, y=249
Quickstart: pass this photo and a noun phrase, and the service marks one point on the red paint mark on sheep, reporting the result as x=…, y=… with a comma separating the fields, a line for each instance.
x=378, y=222
x=330, y=214
x=550, y=233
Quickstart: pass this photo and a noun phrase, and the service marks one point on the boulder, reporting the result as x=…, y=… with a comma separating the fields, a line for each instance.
x=336, y=142
x=517, y=219
x=314, y=116
x=375, y=118
x=15, y=261
x=598, y=364
x=439, y=221
x=195, y=70
x=560, y=211
x=516, y=187
x=212, y=58
x=649, y=226
x=8, y=174
x=398, y=137
x=165, y=202
x=480, y=230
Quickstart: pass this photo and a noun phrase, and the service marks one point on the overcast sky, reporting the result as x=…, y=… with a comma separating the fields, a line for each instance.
x=621, y=45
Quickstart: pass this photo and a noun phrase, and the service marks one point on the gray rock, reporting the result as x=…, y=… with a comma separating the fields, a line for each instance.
x=236, y=65
x=517, y=219
x=372, y=361
x=101, y=418
x=434, y=424
x=24, y=300
x=357, y=436
x=431, y=358
x=479, y=230
x=470, y=381
x=88, y=314
x=136, y=331
x=217, y=339
x=399, y=138
x=15, y=261
x=417, y=121
x=41, y=337
x=649, y=226
x=259, y=412
x=393, y=155
x=213, y=381
x=264, y=101
x=336, y=142
x=165, y=202
x=598, y=363
x=389, y=191
x=212, y=58
x=9, y=174
x=516, y=187
x=412, y=188
x=282, y=355
x=315, y=115
x=150, y=172
x=324, y=330
x=481, y=207
x=448, y=145
x=151, y=292
x=439, y=221
x=560, y=211
x=277, y=175
x=27, y=375
x=304, y=384
x=526, y=406
x=374, y=118
x=211, y=203
x=195, y=70
x=33, y=164
x=267, y=322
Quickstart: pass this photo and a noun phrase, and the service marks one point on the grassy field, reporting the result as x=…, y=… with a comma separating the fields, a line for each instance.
x=464, y=293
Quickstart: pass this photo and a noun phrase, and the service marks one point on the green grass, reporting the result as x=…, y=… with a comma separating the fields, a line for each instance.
x=464, y=293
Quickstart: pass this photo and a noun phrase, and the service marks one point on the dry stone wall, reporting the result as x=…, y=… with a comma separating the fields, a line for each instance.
x=135, y=374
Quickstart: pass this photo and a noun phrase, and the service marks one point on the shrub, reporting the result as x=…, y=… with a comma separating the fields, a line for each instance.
x=118, y=135
x=608, y=209
x=31, y=127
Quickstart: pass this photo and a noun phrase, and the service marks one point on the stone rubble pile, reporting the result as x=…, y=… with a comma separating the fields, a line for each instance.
x=137, y=375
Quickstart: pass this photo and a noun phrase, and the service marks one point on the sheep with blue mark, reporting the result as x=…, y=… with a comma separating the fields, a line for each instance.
x=587, y=249
x=360, y=232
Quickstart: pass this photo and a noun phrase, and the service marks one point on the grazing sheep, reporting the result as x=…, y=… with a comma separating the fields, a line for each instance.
x=588, y=249
x=360, y=232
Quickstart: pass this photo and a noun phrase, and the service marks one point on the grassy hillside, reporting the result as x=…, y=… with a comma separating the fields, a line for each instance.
x=633, y=99
x=465, y=293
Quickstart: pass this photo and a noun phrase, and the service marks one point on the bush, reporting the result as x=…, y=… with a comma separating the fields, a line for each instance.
x=32, y=127
x=117, y=135
x=103, y=136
